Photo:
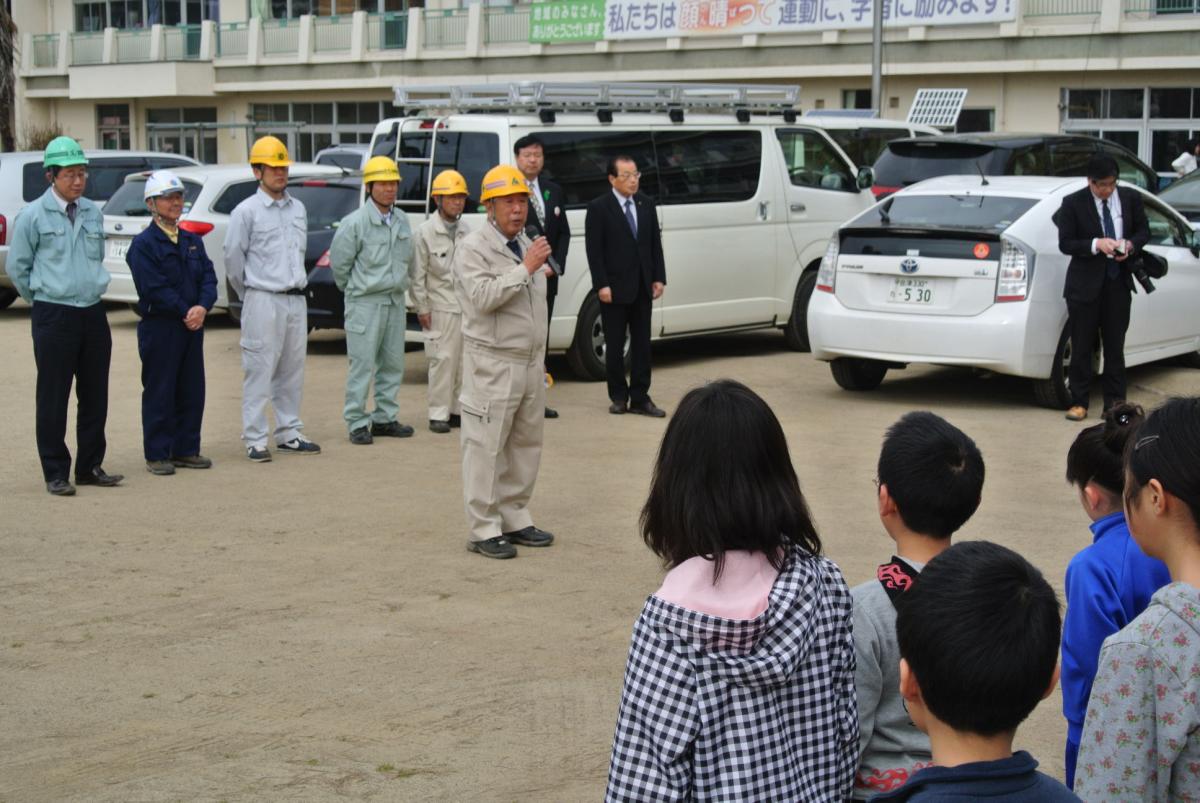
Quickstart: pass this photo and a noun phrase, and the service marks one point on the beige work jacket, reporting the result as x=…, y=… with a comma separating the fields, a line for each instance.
x=433, y=282
x=503, y=307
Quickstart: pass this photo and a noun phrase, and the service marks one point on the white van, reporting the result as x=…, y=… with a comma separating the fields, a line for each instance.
x=748, y=195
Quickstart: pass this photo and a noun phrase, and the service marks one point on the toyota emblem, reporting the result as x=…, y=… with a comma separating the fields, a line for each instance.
x=909, y=266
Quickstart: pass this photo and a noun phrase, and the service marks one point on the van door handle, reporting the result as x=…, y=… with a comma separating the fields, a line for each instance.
x=797, y=207
x=763, y=208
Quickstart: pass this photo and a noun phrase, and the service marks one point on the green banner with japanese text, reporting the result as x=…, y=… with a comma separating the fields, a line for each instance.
x=567, y=21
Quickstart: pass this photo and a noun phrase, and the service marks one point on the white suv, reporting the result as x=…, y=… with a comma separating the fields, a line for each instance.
x=23, y=179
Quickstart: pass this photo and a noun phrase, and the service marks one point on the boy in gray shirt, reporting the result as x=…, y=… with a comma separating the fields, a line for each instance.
x=930, y=477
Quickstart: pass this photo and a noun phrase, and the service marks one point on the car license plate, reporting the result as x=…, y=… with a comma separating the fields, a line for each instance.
x=118, y=247
x=911, y=291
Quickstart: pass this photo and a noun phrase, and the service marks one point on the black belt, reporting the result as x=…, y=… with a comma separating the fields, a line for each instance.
x=291, y=291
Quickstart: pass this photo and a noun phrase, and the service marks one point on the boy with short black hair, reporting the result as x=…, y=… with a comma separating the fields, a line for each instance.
x=978, y=639
x=930, y=478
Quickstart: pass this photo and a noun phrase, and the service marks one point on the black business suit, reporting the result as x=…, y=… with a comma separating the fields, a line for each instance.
x=555, y=229
x=629, y=267
x=1096, y=301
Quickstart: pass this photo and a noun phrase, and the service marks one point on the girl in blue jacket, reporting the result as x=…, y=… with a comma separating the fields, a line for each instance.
x=1109, y=582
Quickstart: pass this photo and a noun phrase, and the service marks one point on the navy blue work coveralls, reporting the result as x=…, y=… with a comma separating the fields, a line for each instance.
x=171, y=279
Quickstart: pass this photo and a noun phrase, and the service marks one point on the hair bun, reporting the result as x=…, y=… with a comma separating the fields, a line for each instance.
x=1120, y=421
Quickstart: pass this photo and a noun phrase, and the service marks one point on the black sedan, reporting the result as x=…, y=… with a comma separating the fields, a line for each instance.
x=1184, y=195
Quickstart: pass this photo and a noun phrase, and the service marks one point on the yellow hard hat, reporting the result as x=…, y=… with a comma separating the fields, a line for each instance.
x=449, y=182
x=380, y=168
x=503, y=180
x=269, y=151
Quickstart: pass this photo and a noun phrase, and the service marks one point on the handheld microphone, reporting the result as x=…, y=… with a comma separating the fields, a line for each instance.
x=531, y=231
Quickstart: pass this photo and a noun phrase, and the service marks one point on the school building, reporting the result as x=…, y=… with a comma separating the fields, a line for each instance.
x=203, y=77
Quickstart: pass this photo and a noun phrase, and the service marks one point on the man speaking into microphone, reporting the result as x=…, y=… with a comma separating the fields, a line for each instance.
x=500, y=281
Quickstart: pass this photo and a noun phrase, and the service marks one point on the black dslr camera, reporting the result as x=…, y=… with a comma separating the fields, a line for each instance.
x=1143, y=278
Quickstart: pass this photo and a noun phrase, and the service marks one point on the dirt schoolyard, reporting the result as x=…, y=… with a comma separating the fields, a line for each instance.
x=314, y=629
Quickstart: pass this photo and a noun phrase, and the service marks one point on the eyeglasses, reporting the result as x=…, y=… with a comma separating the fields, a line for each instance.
x=74, y=176
x=627, y=176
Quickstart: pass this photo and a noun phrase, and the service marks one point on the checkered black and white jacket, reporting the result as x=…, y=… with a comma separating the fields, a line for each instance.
x=759, y=709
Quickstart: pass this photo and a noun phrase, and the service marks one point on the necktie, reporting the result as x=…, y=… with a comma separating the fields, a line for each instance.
x=514, y=247
x=631, y=217
x=538, y=206
x=1110, y=231
x=71, y=212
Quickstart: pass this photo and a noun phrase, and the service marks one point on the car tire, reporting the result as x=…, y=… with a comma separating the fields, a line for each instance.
x=855, y=374
x=586, y=354
x=795, y=331
x=1055, y=392
x=7, y=297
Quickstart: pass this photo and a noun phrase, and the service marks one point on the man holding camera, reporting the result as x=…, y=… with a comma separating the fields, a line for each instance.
x=1100, y=227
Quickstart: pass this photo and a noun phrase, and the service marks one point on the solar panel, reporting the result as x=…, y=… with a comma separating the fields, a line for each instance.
x=937, y=107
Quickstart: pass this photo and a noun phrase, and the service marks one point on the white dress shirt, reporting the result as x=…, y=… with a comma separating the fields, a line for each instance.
x=1114, y=209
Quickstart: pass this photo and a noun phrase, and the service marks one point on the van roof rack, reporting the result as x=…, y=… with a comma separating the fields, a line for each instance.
x=538, y=96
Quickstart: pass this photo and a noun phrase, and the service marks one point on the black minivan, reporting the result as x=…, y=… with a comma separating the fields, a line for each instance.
x=907, y=161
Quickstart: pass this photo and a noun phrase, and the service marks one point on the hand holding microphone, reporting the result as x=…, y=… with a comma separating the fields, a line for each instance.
x=532, y=233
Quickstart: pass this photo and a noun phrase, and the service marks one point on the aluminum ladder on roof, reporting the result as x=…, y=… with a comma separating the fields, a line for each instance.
x=586, y=96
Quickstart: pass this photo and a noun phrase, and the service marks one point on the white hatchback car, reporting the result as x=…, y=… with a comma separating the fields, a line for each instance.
x=210, y=194
x=963, y=271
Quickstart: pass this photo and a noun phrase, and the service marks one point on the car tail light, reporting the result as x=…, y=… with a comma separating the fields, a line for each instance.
x=323, y=262
x=828, y=270
x=3, y=230
x=1016, y=271
x=880, y=192
x=196, y=227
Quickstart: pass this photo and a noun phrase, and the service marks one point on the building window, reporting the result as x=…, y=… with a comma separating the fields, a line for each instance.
x=309, y=127
x=167, y=130
x=112, y=126
x=856, y=98
x=96, y=15
x=973, y=120
x=1153, y=122
x=290, y=9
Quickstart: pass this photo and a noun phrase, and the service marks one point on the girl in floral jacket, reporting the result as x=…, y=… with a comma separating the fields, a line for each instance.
x=1141, y=739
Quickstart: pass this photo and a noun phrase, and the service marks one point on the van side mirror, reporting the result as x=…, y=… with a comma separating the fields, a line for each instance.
x=865, y=178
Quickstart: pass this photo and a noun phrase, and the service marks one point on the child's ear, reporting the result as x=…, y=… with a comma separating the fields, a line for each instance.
x=887, y=507
x=1053, y=682
x=910, y=690
x=1091, y=495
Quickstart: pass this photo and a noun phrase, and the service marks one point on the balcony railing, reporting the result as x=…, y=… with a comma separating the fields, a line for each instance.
x=233, y=39
x=1062, y=8
x=45, y=50
x=133, y=46
x=281, y=37
x=332, y=34
x=181, y=42
x=387, y=31
x=445, y=28
x=510, y=24
x=87, y=48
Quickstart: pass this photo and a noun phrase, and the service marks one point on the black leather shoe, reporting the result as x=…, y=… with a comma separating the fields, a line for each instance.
x=647, y=408
x=440, y=427
x=60, y=488
x=617, y=408
x=551, y=412
x=361, y=437
x=497, y=547
x=455, y=421
x=392, y=429
x=99, y=477
x=530, y=536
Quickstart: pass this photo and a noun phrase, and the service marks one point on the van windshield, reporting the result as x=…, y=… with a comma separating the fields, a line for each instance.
x=968, y=212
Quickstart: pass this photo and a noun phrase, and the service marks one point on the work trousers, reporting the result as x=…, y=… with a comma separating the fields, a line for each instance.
x=1108, y=316
x=443, y=350
x=618, y=319
x=70, y=345
x=172, y=388
x=375, y=346
x=274, y=342
x=503, y=410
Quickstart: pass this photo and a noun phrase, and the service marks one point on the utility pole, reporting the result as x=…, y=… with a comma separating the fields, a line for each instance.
x=877, y=57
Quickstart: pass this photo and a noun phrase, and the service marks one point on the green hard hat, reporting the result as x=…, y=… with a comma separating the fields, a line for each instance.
x=63, y=152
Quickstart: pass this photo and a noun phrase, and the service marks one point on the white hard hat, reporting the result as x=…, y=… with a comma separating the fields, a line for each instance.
x=162, y=182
